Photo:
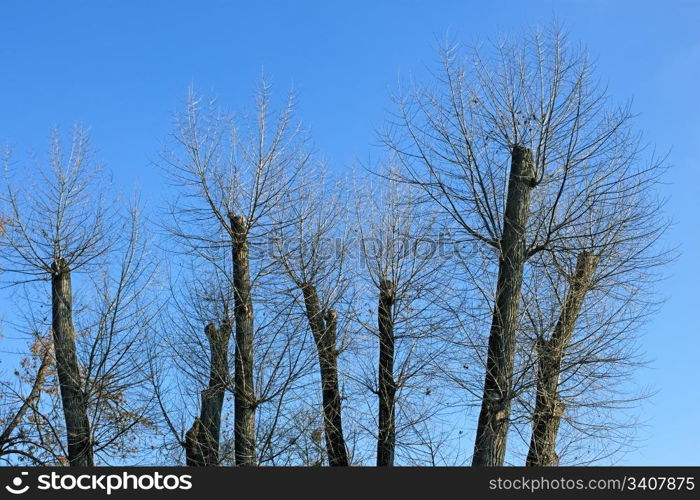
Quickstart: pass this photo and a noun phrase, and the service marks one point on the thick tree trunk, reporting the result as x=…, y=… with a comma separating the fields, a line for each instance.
x=492, y=428
x=244, y=390
x=548, y=406
x=323, y=328
x=194, y=449
x=72, y=396
x=202, y=440
x=386, y=436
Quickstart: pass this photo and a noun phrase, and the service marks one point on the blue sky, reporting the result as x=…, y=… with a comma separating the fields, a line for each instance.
x=123, y=67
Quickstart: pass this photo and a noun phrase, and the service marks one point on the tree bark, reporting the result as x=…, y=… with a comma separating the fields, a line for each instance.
x=550, y=353
x=323, y=328
x=80, y=451
x=202, y=440
x=244, y=389
x=492, y=427
x=386, y=436
x=194, y=449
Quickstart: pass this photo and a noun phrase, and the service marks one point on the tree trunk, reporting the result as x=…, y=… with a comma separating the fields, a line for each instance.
x=492, y=428
x=72, y=396
x=194, y=448
x=244, y=390
x=386, y=438
x=550, y=353
x=28, y=402
x=202, y=440
x=323, y=328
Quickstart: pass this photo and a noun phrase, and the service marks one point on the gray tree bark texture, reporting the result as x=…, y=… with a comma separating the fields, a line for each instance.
x=323, y=327
x=492, y=427
x=244, y=389
x=550, y=355
x=80, y=452
x=202, y=440
x=386, y=436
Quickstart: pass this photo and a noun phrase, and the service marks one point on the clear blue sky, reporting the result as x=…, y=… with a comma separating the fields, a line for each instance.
x=122, y=68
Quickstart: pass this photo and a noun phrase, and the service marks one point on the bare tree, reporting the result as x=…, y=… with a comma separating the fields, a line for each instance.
x=403, y=262
x=232, y=180
x=182, y=363
x=532, y=100
x=311, y=251
x=57, y=231
x=583, y=308
x=550, y=353
x=56, y=237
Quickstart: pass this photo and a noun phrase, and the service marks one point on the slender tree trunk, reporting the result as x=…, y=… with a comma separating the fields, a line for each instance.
x=244, y=391
x=72, y=395
x=386, y=437
x=323, y=328
x=27, y=403
x=202, y=440
x=548, y=406
x=492, y=428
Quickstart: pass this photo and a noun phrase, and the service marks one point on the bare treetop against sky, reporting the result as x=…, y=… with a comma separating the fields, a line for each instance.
x=123, y=69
